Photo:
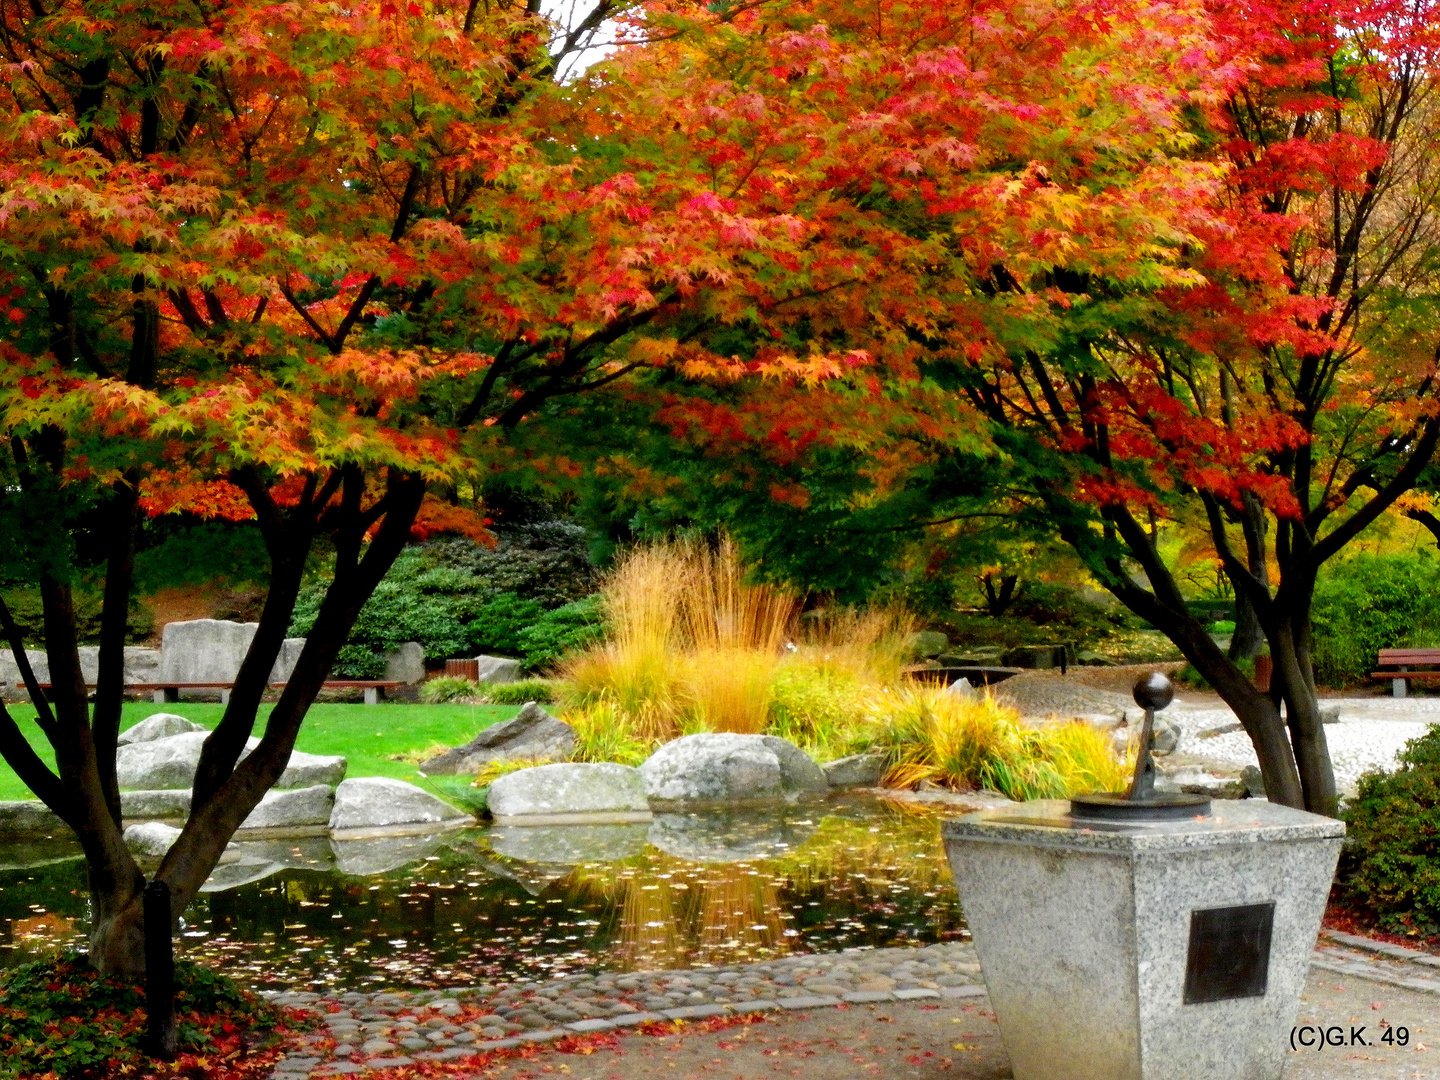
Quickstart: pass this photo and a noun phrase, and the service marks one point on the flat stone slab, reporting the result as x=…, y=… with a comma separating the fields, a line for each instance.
x=568, y=789
x=307, y=806
x=374, y=802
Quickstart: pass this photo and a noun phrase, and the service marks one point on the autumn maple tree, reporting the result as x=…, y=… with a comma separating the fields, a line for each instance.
x=1135, y=268
x=314, y=266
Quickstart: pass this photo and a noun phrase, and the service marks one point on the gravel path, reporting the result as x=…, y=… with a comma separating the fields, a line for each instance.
x=1370, y=731
x=363, y=1033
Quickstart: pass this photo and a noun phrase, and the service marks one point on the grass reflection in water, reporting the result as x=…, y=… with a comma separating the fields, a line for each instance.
x=692, y=891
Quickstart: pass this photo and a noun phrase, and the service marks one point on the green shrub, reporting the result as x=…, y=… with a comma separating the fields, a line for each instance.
x=1373, y=602
x=565, y=630
x=449, y=688
x=1390, y=864
x=59, y=1016
x=544, y=691
x=459, y=598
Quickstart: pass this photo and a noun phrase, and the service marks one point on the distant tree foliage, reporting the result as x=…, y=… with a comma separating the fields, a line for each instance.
x=459, y=598
x=1369, y=603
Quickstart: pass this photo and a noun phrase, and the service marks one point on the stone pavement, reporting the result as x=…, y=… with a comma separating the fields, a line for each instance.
x=365, y=1033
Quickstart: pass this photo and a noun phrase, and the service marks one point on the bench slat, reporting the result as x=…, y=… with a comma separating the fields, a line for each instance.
x=1408, y=656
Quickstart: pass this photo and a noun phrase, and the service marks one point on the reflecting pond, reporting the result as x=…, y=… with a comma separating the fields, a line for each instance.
x=486, y=904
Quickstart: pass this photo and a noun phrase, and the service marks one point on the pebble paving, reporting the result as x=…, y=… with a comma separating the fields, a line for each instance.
x=363, y=1033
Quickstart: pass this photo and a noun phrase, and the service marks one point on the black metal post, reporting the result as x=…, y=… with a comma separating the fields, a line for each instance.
x=159, y=972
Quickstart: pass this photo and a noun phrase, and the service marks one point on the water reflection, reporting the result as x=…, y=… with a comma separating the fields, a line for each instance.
x=502, y=903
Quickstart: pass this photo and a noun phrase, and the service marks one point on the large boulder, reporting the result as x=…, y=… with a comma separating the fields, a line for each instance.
x=406, y=664
x=857, y=770
x=497, y=669
x=155, y=805
x=141, y=665
x=159, y=726
x=569, y=845
x=29, y=817
x=171, y=763
x=151, y=839
x=204, y=650
x=212, y=650
x=10, y=671
x=304, y=807
x=534, y=733
x=730, y=768
x=548, y=792
x=379, y=803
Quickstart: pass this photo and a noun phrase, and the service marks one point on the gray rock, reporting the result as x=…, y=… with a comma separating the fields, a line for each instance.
x=151, y=838
x=380, y=855
x=735, y=836
x=569, y=845
x=10, y=671
x=1164, y=736
x=29, y=816
x=290, y=809
x=158, y=726
x=961, y=688
x=497, y=669
x=150, y=805
x=376, y=802
x=926, y=643
x=284, y=666
x=204, y=650
x=141, y=665
x=307, y=770
x=729, y=768
x=406, y=664
x=534, y=733
x=570, y=788
x=171, y=762
x=1330, y=714
x=857, y=770
x=1254, y=781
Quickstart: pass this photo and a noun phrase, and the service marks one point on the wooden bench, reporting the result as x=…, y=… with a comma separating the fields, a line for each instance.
x=163, y=693
x=1400, y=662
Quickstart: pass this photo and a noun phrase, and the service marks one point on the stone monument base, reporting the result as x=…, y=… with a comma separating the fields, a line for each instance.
x=1174, y=950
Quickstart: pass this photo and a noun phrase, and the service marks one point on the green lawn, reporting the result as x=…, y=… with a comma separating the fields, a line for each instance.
x=366, y=734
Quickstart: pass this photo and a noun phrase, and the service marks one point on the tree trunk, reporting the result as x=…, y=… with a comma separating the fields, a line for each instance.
x=117, y=943
x=1249, y=636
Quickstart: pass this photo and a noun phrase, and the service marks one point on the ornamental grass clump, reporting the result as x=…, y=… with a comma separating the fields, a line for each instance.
x=948, y=740
x=692, y=646
x=60, y=1018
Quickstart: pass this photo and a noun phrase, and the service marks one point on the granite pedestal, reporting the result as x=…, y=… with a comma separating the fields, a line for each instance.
x=1167, y=951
